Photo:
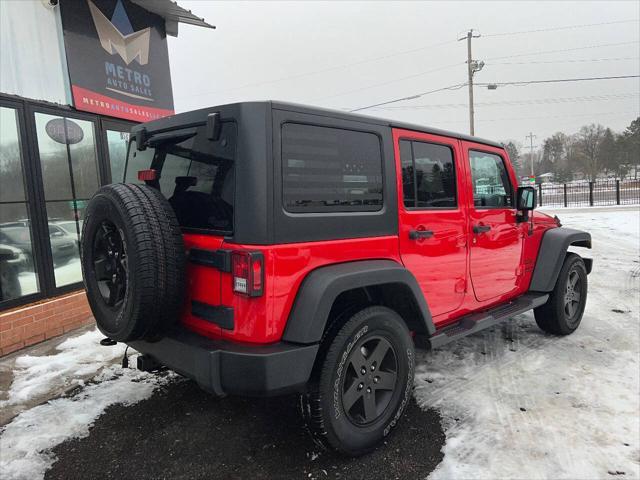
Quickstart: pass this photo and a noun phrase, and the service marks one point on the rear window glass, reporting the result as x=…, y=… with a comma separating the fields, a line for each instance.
x=330, y=169
x=196, y=175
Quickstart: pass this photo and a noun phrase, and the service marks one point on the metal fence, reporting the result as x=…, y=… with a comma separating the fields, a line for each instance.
x=579, y=194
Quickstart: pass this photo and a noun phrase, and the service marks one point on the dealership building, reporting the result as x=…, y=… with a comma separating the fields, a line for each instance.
x=75, y=75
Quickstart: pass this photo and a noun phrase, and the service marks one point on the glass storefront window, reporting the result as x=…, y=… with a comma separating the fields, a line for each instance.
x=68, y=157
x=117, y=147
x=17, y=265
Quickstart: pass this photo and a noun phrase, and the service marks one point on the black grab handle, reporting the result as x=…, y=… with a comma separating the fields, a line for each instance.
x=481, y=228
x=418, y=234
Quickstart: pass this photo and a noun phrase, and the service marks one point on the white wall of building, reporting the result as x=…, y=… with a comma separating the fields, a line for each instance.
x=32, y=58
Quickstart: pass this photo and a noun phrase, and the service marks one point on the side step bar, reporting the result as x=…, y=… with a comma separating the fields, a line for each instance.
x=476, y=322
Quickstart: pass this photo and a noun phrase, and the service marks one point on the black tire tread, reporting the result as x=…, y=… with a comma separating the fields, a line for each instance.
x=155, y=239
x=550, y=316
x=331, y=345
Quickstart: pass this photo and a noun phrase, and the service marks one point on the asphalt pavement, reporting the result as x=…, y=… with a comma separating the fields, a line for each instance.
x=182, y=432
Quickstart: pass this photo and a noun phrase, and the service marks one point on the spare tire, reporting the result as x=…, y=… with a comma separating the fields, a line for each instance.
x=133, y=262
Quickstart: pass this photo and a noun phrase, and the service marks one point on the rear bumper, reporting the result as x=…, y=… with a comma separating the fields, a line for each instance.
x=223, y=367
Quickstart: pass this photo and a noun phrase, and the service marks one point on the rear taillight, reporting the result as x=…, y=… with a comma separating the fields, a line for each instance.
x=247, y=269
x=147, y=175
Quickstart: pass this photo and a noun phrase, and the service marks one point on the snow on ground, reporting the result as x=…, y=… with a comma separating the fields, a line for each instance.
x=517, y=403
x=77, y=358
x=26, y=442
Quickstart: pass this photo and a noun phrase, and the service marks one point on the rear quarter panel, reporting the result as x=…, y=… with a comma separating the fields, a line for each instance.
x=263, y=319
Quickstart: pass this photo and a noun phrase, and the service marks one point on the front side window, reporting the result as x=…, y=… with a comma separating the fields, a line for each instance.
x=428, y=175
x=330, y=170
x=491, y=184
x=196, y=175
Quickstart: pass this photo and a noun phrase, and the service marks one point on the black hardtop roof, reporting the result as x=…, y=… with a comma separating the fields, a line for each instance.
x=200, y=114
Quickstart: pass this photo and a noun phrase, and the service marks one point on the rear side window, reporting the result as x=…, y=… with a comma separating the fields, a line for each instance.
x=491, y=184
x=196, y=174
x=428, y=175
x=330, y=170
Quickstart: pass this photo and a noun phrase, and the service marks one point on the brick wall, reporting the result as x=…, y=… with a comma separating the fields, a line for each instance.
x=35, y=323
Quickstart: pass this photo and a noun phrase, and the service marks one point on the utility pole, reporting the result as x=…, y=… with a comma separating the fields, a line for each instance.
x=472, y=67
x=531, y=136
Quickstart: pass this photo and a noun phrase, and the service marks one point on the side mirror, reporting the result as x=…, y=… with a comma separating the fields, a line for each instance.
x=525, y=202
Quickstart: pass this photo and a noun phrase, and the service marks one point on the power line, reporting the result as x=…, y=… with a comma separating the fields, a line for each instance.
x=457, y=64
x=579, y=60
x=396, y=54
x=368, y=87
x=324, y=70
x=407, y=52
x=596, y=114
x=602, y=45
x=537, y=101
x=384, y=57
x=417, y=95
x=566, y=27
x=460, y=85
x=558, y=80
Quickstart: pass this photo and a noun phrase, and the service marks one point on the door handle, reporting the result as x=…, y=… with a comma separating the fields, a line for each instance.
x=419, y=234
x=481, y=228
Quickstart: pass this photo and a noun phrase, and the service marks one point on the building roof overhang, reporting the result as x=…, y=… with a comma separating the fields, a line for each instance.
x=173, y=14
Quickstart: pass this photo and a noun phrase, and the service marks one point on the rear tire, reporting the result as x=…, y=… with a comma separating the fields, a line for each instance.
x=362, y=384
x=133, y=262
x=562, y=313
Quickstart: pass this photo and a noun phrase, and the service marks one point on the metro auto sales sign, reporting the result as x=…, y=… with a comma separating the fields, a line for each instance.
x=118, y=59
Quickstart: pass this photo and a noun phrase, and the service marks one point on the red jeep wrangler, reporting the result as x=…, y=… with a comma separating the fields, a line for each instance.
x=261, y=248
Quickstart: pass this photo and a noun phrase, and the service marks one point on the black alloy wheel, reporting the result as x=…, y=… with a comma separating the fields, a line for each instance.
x=371, y=377
x=110, y=263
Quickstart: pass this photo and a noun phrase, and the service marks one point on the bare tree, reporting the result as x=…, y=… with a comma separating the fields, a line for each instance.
x=589, y=139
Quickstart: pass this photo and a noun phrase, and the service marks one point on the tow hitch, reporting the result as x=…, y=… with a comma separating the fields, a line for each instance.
x=146, y=363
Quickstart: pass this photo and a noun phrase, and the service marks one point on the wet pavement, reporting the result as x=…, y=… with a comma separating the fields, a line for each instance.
x=182, y=432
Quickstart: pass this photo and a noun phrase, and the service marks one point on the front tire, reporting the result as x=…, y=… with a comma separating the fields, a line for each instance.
x=562, y=313
x=364, y=382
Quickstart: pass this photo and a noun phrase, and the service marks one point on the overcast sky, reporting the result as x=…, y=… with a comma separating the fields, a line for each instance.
x=346, y=55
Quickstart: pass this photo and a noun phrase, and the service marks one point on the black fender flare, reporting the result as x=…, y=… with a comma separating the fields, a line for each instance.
x=553, y=249
x=320, y=288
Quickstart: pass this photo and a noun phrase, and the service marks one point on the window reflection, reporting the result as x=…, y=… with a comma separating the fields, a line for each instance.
x=117, y=146
x=17, y=266
x=491, y=184
x=67, y=150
